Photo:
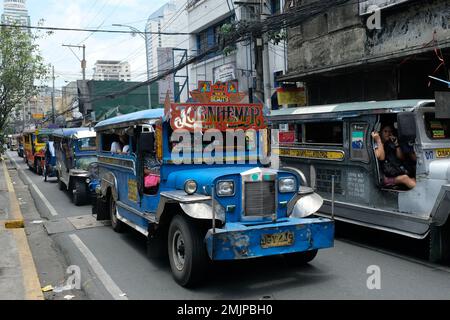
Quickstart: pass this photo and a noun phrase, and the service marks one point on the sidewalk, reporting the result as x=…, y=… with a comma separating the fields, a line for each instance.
x=18, y=276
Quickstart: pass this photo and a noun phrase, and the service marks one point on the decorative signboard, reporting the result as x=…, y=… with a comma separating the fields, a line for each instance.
x=291, y=96
x=220, y=92
x=220, y=116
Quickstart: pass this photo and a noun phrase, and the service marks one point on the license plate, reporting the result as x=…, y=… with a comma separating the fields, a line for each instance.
x=277, y=240
x=443, y=153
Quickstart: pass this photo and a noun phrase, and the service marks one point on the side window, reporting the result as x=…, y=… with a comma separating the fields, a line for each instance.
x=358, y=142
x=324, y=133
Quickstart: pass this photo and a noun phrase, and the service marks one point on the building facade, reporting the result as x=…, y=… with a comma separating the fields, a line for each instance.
x=370, y=50
x=205, y=19
x=15, y=12
x=111, y=70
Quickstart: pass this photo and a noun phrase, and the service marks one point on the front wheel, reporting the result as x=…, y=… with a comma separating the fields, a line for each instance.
x=300, y=258
x=117, y=225
x=61, y=185
x=187, y=252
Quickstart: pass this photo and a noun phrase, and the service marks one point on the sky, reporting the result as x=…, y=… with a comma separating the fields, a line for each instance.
x=92, y=14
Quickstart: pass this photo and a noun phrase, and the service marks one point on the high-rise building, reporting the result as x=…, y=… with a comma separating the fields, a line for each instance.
x=107, y=70
x=15, y=12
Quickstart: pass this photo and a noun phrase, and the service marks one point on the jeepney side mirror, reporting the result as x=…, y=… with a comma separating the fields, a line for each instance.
x=407, y=127
x=147, y=142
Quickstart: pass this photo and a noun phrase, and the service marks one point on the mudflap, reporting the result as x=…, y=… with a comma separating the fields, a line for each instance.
x=237, y=241
x=101, y=209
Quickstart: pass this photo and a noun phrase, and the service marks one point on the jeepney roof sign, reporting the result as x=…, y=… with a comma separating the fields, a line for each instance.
x=220, y=116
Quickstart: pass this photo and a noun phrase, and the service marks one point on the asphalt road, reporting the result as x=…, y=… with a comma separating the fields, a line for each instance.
x=115, y=266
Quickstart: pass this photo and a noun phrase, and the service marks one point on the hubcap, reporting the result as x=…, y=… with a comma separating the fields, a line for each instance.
x=178, y=250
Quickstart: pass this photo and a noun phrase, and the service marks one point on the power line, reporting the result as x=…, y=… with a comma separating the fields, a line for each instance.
x=92, y=30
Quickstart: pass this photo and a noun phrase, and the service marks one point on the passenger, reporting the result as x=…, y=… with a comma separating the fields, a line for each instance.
x=389, y=153
x=126, y=144
x=116, y=147
x=410, y=158
x=151, y=174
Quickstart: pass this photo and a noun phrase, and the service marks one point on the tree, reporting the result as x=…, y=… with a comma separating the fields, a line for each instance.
x=20, y=67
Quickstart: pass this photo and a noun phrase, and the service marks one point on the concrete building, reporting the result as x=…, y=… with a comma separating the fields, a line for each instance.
x=205, y=18
x=15, y=12
x=165, y=51
x=108, y=70
x=371, y=50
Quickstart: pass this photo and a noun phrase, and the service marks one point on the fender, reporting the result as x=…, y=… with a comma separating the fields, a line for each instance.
x=196, y=206
x=441, y=208
x=109, y=180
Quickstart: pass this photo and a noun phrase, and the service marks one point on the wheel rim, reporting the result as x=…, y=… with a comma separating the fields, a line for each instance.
x=178, y=250
x=113, y=212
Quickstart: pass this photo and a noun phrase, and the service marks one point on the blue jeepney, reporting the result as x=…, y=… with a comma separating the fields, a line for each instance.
x=75, y=153
x=200, y=210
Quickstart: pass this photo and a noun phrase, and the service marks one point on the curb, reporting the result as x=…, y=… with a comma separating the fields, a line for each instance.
x=30, y=277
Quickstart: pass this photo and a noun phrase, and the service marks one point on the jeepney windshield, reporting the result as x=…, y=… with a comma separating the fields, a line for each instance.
x=83, y=163
x=87, y=144
x=42, y=138
x=436, y=129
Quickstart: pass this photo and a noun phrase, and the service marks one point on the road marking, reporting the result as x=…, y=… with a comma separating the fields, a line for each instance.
x=50, y=208
x=101, y=273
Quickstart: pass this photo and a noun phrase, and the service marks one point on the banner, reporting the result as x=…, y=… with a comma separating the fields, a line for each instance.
x=225, y=73
x=291, y=96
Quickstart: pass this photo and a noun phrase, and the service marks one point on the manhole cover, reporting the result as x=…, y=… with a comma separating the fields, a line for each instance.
x=86, y=222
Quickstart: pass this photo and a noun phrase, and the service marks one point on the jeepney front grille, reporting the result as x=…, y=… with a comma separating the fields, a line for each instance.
x=260, y=198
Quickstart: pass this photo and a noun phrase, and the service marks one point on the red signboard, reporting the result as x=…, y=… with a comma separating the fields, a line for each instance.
x=220, y=92
x=220, y=116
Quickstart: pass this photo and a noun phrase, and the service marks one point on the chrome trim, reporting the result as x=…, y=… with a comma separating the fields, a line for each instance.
x=181, y=196
x=135, y=211
x=131, y=168
x=131, y=224
x=247, y=177
x=368, y=225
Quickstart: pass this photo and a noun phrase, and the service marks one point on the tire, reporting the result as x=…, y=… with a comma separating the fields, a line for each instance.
x=45, y=173
x=61, y=184
x=117, y=225
x=79, y=193
x=440, y=243
x=187, y=252
x=300, y=258
x=37, y=167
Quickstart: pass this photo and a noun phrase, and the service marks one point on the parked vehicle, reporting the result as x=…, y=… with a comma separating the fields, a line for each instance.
x=334, y=142
x=49, y=170
x=75, y=151
x=20, y=147
x=203, y=210
x=34, y=145
x=13, y=142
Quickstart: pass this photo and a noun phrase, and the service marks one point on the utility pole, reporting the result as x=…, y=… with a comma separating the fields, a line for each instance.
x=53, y=95
x=265, y=12
x=83, y=61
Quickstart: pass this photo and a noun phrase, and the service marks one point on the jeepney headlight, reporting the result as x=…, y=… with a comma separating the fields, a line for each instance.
x=88, y=180
x=286, y=185
x=190, y=187
x=225, y=188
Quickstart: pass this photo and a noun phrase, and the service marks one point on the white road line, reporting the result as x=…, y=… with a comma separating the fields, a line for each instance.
x=50, y=208
x=102, y=275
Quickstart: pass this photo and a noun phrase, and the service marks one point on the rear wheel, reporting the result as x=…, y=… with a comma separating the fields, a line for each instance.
x=61, y=185
x=79, y=193
x=300, y=258
x=187, y=252
x=440, y=243
x=117, y=225
x=45, y=173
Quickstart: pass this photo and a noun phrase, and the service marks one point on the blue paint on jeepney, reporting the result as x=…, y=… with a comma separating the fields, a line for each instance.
x=238, y=241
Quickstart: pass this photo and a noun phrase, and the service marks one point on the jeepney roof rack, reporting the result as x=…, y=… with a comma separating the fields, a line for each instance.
x=346, y=109
x=140, y=117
